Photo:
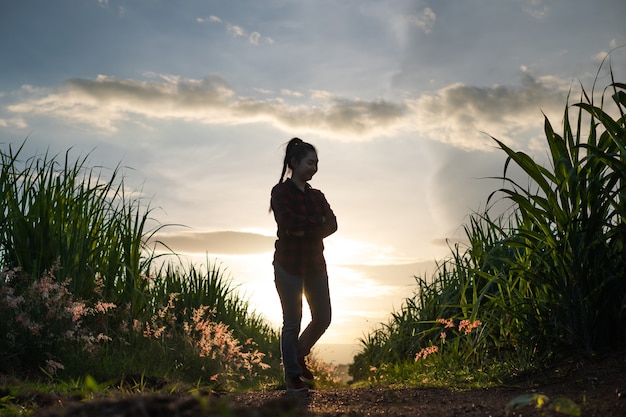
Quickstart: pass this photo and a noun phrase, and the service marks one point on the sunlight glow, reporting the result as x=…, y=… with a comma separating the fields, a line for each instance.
x=342, y=251
x=359, y=301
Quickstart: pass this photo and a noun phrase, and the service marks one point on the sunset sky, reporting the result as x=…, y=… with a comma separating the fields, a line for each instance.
x=196, y=99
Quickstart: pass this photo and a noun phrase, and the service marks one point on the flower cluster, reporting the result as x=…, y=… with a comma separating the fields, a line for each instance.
x=422, y=354
x=465, y=326
x=162, y=323
x=45, y=317
x=215, y=340
x=326, y=373
x=209, y=339
x=447, y=323
x=41, y=321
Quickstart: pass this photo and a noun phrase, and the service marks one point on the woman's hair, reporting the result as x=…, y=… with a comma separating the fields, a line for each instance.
x=296, y=149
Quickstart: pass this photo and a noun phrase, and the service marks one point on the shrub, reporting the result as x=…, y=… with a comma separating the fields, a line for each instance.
x=46, y=322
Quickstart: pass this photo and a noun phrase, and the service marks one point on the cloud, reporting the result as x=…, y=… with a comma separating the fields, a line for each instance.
x=600, y=56
x=457, y=114
x=236, y=30
x=222, y=243
x=254, y=38
x=613, y=43
x=356, y=284
x=18, y=123
x=397, y=274
x=350, y=119
x=287, y=92
x=107, y=101
x=536, y=9
x=462, y=115
x=425, y=20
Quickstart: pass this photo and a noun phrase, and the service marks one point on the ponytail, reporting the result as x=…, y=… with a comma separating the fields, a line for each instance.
x=295, y=148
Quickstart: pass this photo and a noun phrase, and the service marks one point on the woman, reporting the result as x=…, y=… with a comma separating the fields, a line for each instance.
x=304, y=219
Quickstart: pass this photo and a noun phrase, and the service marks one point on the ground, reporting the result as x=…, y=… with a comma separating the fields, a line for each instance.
x=597, y=387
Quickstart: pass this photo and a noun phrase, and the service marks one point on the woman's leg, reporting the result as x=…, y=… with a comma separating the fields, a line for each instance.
x=318, y=298
x=289, y=289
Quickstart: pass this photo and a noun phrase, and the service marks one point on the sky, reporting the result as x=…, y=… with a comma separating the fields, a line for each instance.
x=195, y=100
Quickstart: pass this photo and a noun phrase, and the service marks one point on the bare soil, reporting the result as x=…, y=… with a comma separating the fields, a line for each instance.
x=598, y=387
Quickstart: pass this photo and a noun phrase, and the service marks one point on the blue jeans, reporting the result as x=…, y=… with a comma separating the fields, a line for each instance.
x=294, y=345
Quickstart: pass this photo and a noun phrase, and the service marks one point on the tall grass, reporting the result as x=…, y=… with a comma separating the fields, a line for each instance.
x=59, y=211
x=545, y=279
x=81, y=293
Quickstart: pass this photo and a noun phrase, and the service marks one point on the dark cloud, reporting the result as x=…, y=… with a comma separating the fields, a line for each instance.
x=106, y=101
x=397, y=274
x=457, y=114
x=168, y=91
x=465, y=116
x=218, y=243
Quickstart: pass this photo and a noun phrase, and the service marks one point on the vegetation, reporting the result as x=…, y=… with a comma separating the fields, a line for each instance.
x=543, y=280
x=85, y=304
x=81, y=293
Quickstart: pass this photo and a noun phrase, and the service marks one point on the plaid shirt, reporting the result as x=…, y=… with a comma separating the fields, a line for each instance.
x=308, y=212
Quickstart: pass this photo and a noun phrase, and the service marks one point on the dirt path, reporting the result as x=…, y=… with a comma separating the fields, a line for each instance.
x=598, y=388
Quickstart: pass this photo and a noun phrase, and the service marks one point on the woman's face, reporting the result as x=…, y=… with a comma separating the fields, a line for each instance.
x=305, y=168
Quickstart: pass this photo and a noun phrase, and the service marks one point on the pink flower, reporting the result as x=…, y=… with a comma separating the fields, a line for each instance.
x=102, y=337
x=467, y=326
x=216, y=341
x=78, y=310
x=422, y=354
x=103, y=307
x=448, y=323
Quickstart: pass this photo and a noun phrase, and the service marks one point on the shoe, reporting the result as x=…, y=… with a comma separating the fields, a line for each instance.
x=295, y=384
x=307, y=375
